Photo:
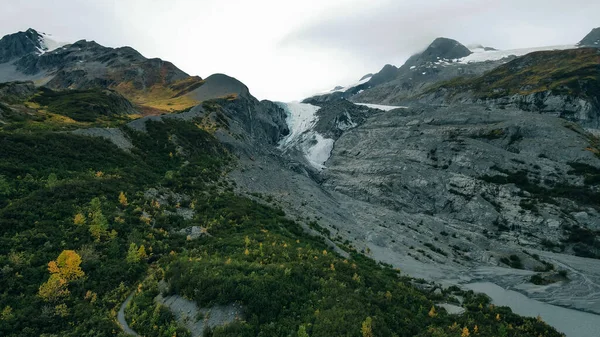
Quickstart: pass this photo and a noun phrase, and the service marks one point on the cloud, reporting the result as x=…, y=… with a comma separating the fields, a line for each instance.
x=390, y=31
x=286, y=50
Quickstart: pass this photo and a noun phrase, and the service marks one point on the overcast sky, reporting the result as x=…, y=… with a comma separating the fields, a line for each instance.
x=288, y=49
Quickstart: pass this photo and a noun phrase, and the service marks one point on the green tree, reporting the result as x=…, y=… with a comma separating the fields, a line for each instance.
x=98, y=223
x=135, y=254
x=52, y=180
x=302, y=331
x=4, y=186
x=132, y=254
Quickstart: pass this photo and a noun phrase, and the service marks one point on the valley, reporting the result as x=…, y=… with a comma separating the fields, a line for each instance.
x=373, y=208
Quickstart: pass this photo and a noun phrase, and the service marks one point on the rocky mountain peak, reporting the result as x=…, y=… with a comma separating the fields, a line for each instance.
x=19, y=44
x=444, y=48
x=387, y=73
x=592, y=39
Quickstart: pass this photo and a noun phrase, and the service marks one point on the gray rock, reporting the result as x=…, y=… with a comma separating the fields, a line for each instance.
x=116, y=136
x=592, y=39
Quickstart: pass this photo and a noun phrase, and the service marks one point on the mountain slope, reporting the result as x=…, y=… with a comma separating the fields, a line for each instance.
x=565, y=83
x=592, y=39
x=119, y=224
x=152, y=84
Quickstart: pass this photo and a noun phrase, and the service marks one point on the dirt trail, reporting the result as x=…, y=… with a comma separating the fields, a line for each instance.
x=121, y=317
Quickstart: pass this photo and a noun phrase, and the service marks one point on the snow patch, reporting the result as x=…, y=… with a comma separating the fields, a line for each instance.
x=49, y=43
x=482, y=55
x=381, y=107
x=352, y=85
x=318, y=150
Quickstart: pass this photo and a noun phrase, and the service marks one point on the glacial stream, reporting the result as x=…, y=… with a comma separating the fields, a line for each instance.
x=572, y=323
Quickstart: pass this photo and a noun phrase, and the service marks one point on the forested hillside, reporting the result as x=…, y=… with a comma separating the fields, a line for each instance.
x=83, y=224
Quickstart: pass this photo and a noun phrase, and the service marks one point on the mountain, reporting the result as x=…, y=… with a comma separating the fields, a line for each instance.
x=440, y=49
x=240, y=217
x=392, y=84
x=154, y=85
x=592, y=39
x=464, y=164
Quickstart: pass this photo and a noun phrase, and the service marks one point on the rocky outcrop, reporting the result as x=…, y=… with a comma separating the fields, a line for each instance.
x=14, y=92
x=220, y=86
x=585, y=112
x=592, y=39
x=336, y=117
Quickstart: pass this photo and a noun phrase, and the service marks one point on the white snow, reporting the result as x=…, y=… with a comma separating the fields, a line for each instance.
x=381, y=107
x=49, y=43
x=365, y=80
x=301, y=118
x=301, y=121
x=317, y=154
x=412, y=67
x=481, y=55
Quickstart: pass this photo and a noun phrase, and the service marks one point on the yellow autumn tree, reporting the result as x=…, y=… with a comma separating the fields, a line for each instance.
x=123, y=199
x=432, y=312
x=465, y=332
x=79, y=219
x=142, y=252
x=367, y=327
x=67, y=266
x=64, y=269
x=54, y=288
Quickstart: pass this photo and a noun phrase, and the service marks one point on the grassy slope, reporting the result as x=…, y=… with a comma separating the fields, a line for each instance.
x=47, y=109
x=161, y=97
x=574, y=72
x=284, y=280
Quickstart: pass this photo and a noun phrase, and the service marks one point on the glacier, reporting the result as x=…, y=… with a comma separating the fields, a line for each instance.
x=301, y=120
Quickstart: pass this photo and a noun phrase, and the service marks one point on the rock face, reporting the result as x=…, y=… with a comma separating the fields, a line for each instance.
x=219, y=85
x=441, y=49
x=13, y=92
x=564, y=83
x=592, y=39
x=19, y=44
